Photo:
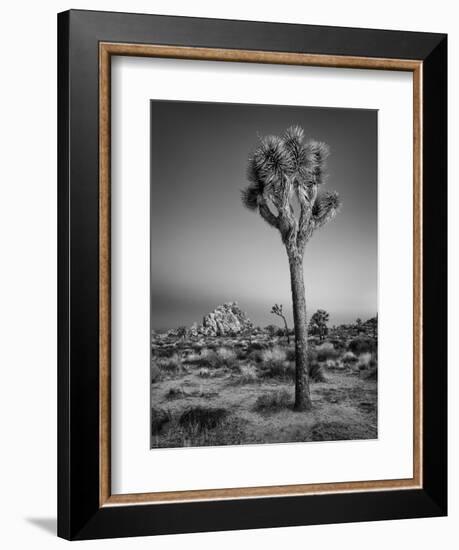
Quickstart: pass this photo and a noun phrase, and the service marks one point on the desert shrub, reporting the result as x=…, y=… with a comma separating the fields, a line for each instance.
x=349, y=357
x=337, y=344
x=314, y=340
x=159, y=417
x=271, y=330
x=197, y=346
x=273, y=355
x=364, y=360
x=165, y=351
x=256, y=346
x=334, y=364
x=316, y=372
x=273, y=401
x=193, y=358
x=201, y=418
x=171, y=364
x=326, y=351
x=247, y=374
x=283, y=370
x=176, y=393
x=206, y=352
x=226, y=354
x=241, y=353
x=221, y=357
x=238, y=344
x=274, y=364
x=254, y=356
x=371, y=373
x=368, y=366
x=362, y=345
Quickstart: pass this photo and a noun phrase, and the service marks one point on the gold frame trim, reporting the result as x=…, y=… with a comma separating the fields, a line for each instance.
x=106, y=51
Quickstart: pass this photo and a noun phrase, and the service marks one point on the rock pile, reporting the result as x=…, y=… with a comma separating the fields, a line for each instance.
x=226, y=320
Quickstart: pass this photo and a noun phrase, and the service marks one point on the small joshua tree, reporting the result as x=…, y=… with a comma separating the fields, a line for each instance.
x=280, y=169
x=318, y=323
x=277, y=310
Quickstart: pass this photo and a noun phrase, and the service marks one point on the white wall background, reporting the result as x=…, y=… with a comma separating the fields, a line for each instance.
x=28, y=270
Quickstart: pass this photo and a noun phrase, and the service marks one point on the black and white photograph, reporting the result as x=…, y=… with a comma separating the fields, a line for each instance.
x=229, y=255
x=264, y=321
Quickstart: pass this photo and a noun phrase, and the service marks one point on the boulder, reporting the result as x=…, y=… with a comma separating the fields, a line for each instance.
x=226, y=320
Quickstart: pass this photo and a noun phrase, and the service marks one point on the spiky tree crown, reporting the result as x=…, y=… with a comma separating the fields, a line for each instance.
x=279, y=169
x=320, y=318
x=277, y=309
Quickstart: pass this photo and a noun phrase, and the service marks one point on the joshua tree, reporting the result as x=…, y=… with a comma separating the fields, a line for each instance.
x=280, y=170
x=277, y=310
x=318, y=323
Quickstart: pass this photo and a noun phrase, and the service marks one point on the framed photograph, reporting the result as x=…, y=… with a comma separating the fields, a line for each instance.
x=252, y=275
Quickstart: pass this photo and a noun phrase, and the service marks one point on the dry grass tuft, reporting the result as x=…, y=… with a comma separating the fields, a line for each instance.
x=176, y=393
x=273, y=402
x=171, y=365
x=200, y=418
x=273, y=355
x=326, y=351
x=248, y=374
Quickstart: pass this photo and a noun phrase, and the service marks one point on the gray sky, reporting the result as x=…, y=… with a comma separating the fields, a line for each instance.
x=207, y=249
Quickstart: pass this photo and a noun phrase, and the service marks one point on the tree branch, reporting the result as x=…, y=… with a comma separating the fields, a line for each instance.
x=307, y=201
x=325, y=209
x=266, y=213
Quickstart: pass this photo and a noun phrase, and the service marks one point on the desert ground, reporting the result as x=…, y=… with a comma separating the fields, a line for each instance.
x=239, y=389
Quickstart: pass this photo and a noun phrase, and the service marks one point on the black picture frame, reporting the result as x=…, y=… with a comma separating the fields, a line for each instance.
x=80, y=515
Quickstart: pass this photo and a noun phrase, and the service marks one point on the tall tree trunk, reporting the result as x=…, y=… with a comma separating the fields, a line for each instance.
x=302, y=395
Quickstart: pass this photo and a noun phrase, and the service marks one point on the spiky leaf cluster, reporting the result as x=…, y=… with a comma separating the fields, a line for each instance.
x=281, y=161
x=272, y=160
x=318, y=153
x=277, y=309
x=301, y=160
x=325, y=207
x=249, y=197
x=280, y=167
